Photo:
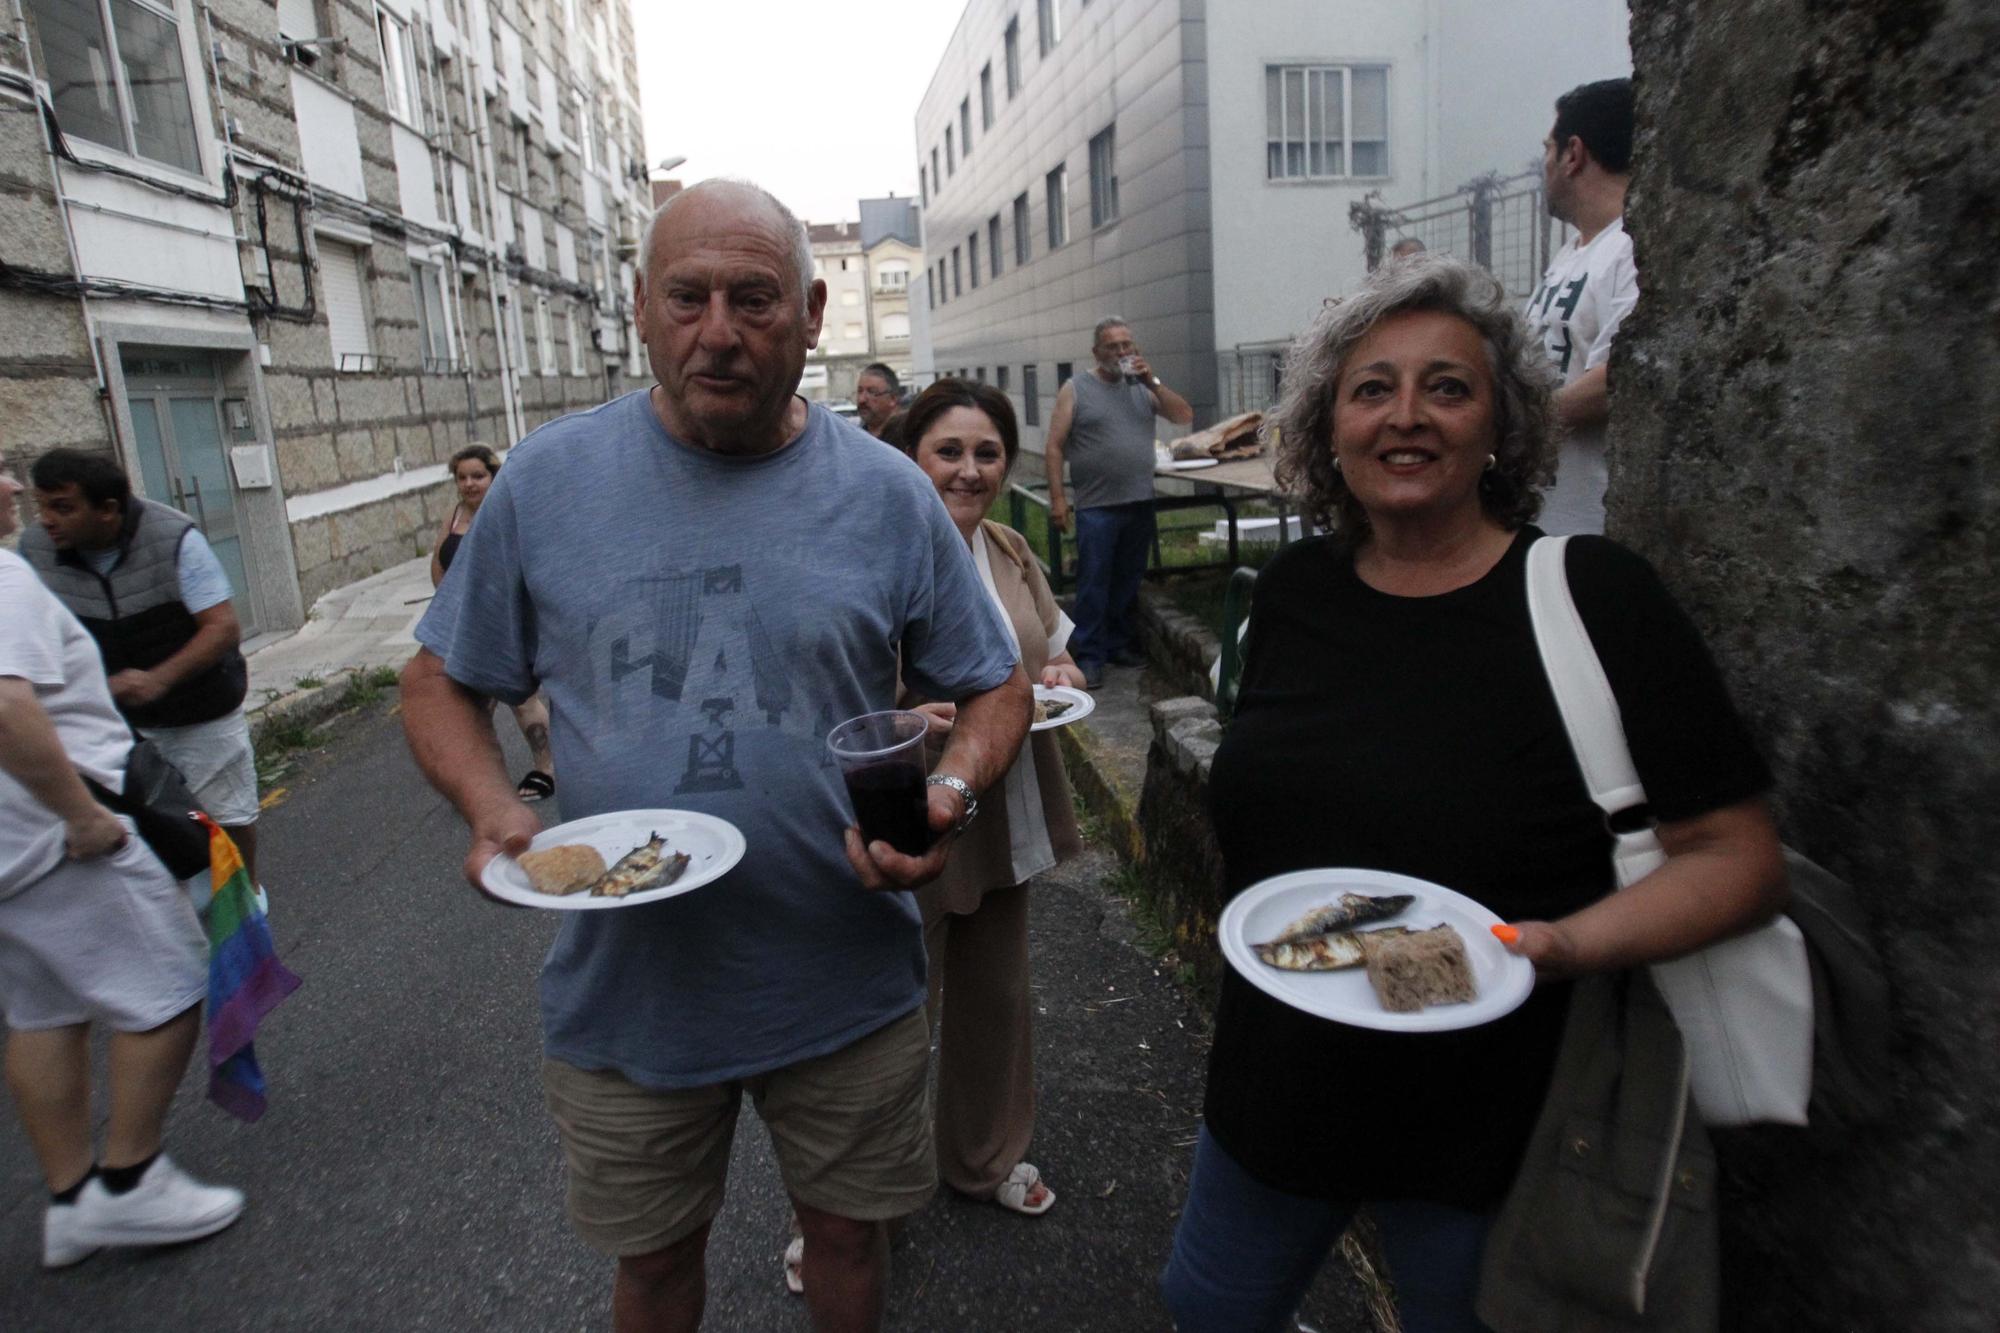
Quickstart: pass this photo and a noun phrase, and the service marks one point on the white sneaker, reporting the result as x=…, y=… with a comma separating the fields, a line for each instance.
x=167, y=1206
x=61, y=1243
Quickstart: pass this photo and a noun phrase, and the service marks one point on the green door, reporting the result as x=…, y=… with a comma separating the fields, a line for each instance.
x=176, y=404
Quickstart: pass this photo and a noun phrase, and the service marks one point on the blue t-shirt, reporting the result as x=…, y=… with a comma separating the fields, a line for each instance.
x=698, y=624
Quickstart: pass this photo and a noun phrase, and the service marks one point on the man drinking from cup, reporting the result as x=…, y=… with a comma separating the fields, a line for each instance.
x=706, y=578
x=1103, y=425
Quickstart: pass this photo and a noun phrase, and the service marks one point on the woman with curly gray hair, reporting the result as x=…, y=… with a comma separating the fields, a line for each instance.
x=1394, y=714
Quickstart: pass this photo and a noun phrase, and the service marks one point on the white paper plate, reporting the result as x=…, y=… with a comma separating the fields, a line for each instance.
x=1085, y=705
x=1190, y=464
x=1261, y=912
x=713, y=846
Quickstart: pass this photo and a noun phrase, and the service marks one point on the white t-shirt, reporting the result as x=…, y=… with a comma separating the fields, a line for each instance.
x=1030, y=851
x=1575, y=313
x=45, y=645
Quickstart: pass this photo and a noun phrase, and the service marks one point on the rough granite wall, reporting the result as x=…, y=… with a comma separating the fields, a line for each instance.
x=1807, y=443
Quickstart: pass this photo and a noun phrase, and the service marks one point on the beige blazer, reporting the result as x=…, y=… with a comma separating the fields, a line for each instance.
x=981, y=859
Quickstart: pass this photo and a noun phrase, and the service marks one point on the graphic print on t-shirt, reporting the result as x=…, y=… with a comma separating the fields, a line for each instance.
x=695, y=645
x=1556, y=339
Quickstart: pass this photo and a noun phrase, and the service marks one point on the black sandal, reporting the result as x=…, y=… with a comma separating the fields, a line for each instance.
x=536, y=786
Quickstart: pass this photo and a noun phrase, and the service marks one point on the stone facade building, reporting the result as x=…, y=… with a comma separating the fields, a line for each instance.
x=282, y=260
x=867, y=267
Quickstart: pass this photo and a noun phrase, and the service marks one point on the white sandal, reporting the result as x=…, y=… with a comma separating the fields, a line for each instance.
x=1019, y=1187
x=795, y=1266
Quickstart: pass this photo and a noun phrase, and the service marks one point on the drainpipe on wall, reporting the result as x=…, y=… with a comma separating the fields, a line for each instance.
x=482, y=172
x=104, y=404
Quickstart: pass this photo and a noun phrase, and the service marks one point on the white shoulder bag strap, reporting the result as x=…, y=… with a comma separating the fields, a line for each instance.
x=1744, y=1005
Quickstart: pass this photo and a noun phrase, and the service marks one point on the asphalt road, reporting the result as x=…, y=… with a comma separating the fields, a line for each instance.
x=407, y=1177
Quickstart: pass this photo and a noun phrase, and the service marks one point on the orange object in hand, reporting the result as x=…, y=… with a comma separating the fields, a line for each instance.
x=1507, y=934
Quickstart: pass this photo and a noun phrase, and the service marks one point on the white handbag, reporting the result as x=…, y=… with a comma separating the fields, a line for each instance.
x=1745, y=1005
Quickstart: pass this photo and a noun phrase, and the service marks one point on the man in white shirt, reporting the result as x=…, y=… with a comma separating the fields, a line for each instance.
x=1588, y=290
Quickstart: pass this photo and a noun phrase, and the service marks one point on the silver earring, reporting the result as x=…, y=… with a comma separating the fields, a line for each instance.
x=1491, y=461
x=1336, y=462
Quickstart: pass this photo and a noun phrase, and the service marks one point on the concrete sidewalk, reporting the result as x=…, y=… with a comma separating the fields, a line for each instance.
x=352, y=630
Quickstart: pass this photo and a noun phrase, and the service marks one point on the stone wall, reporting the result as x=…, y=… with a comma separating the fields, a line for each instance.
x=1182, y=882
x=1805, y=416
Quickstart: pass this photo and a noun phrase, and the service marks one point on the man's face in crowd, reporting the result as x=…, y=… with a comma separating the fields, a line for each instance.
x=73, y=523
x=1116, y=342
x=874, y=401
x=724, y=321
x=1555, y=181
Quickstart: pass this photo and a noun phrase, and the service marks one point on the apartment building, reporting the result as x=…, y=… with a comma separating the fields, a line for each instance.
x=867, y=267
x=283, y=260
x=1188, y=165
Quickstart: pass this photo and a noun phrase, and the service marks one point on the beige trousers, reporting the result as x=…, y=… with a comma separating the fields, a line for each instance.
x=986, y=1062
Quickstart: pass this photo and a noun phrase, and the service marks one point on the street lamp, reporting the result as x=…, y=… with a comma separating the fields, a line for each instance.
x=669, y=163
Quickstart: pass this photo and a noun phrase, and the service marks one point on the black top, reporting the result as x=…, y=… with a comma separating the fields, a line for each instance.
x=448, y=548
x=1419, y=735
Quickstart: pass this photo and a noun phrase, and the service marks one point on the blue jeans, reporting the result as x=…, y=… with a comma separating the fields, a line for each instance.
x=1112, y=543
x=1245, y=1254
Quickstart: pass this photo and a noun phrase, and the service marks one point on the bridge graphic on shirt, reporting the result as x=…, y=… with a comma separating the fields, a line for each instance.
x=696, y=644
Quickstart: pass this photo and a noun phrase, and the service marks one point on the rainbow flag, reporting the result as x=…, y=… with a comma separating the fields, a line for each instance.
x=245, y=979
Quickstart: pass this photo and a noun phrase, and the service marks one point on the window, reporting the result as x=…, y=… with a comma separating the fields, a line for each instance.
x=930, y=291
x=937, y=177
x=950, y=156
x=852, y=332
x=993, y=245
x=347, y=323
x=1325, y=122
x=586, y=134
x=1104, y=177
x=399, y=67
x=521, y=147
x=1000, y=378
x=972, y=258
x=941, y=293
x=1031, y=399
x=433, y=328
x=1058, y=192
x=1048, y=24
x=545, y=336
x=1013, y=44
x=924, y=184
x=986, y=97
x=893, y=276
x=979, y=373
x=298, y=19
x=895, y=328
x=957, y=288
x=117, y=78
x=1022, y=240
x=1064, y=370
x=849, y=296
x=965, y=125
x=572, y=327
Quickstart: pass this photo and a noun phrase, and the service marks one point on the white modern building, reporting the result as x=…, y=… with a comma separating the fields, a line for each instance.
x=1189, y=166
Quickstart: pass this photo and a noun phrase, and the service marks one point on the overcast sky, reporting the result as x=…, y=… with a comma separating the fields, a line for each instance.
x=813, y=99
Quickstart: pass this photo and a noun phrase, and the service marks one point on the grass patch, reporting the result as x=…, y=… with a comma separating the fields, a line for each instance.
x=307, y=683
x=280, y=744
x=1153, y=933
x=366, y=688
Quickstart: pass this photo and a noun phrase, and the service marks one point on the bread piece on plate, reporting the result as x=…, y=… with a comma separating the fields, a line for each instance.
x=562, y=870
x=1423, y=967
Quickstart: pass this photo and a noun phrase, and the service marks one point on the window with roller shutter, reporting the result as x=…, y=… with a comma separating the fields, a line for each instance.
x=346, y=305
x=297, y=19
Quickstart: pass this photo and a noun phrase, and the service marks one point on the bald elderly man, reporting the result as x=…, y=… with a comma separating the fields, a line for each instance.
x=705, y=576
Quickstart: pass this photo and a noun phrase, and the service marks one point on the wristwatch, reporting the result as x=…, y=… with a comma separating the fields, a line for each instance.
x=964, y=793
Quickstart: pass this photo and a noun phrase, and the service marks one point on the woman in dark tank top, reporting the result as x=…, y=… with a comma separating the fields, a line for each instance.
x=472, y=471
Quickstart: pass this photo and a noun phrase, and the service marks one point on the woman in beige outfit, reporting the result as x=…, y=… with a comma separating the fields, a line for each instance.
x=963, y=436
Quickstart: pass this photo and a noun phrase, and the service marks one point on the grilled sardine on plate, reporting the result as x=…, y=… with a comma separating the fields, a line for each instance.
x=642, y=868
x=1353, y=909
x=1321, y=953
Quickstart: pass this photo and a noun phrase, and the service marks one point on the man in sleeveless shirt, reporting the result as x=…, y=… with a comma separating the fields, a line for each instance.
x=148, y=587
x=1103, y=427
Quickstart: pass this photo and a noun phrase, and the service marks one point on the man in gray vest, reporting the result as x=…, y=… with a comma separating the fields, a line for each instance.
x=1103, y=425
x=145, y=583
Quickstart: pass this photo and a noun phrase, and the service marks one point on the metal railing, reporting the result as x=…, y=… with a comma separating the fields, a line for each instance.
x=1020, y=497
x=1498, y=222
